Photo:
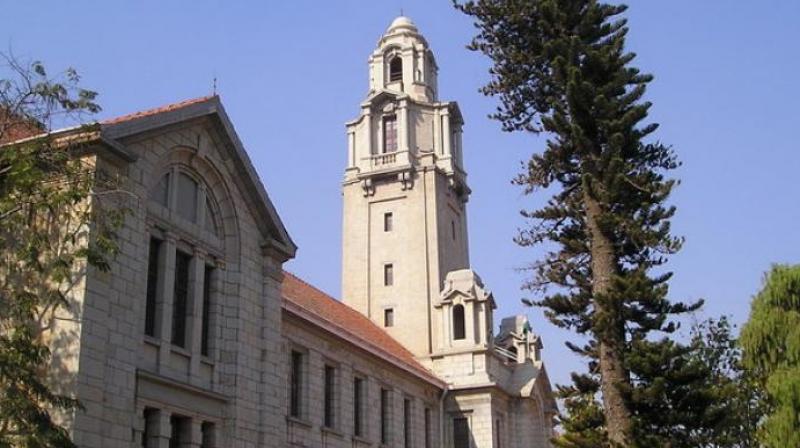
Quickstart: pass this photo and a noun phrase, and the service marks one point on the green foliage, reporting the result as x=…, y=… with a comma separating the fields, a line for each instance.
x=705, y=399
x=583, y=421
x=53, y=228
x=771, y=344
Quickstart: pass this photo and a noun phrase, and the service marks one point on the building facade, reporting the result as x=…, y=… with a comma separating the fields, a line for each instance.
x=197, y=337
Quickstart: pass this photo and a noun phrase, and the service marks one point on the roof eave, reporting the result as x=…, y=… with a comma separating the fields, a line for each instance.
x=342, y=333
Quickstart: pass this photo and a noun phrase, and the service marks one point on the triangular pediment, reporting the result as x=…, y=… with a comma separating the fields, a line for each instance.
x=211, y=112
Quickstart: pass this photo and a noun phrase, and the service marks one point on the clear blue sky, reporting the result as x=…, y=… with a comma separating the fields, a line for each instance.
x=292, y=72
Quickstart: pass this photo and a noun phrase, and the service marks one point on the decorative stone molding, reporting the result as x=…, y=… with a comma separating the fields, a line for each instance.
x=368, y=187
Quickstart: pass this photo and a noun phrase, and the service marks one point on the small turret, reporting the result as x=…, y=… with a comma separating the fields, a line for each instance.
x=403, y=62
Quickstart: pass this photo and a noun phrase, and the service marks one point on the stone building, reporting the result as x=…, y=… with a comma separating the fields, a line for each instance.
x=197, y=337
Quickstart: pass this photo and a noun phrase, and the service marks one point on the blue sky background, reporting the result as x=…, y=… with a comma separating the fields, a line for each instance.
x=290, y=74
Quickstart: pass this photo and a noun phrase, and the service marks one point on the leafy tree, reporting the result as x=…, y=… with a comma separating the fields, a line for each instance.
x=771, y=343
x=53, y=227
x=737, y=395
x=560, y=67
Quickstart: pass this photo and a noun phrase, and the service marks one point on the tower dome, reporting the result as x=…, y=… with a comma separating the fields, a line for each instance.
x=402, y=62
x=402, y=22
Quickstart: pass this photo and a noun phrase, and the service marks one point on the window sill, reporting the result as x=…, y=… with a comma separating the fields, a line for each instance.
x=331, y=431
x=152, y=340
x=362, y=440
x=180, y=351
x=299, y=421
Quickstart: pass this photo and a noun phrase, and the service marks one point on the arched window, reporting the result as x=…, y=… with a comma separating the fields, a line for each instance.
x=459, y=328
x=396, y=69
x=187, y=211
x=189, y=205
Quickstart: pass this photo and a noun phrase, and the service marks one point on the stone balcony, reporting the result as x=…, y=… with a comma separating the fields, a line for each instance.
x=389, y=160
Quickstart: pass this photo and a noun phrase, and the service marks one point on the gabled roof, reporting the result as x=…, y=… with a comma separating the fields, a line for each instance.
x=333, y=316
x=208, y=106
x=107, y=133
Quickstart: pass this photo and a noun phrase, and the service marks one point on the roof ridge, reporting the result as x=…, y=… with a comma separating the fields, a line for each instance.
x=156, y=110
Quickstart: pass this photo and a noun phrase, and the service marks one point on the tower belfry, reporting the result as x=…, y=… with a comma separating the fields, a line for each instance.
x=405, y=193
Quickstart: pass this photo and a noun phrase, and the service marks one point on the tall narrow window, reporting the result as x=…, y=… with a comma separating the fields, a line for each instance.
x=385, y=415
x=206, y=324
x=390, y=133
x=160, y=193
x=460, y=433
x=296, y=378
x=180, y=298
x=187, y=197
x=388, y=274
x=388, y=222
x=330, y=397
x=207, y=435
x=358, y=406
x=388, y=317
x=150, y=422
x=459, y=330
x=179, y=431
x=453, y=229
x=498, y=432
x=396, y=69
x=152, y=288
x=427, y=427
x=407, y=423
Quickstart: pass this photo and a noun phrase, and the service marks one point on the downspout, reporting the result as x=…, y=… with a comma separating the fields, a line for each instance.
x=441, y=416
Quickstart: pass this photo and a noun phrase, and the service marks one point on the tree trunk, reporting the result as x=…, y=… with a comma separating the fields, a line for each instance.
x=610, y=338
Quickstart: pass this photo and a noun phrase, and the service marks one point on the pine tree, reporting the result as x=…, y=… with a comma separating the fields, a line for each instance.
x=50, y=201
x=560, y=67
x=771, y=343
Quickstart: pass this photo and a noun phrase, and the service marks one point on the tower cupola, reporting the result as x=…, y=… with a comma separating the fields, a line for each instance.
x=403, y=62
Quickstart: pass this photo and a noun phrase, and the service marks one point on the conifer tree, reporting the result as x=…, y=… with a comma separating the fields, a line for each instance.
x=560, y=67
x=771, y=343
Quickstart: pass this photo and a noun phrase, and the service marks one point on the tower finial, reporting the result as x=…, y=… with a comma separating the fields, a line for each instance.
x=214, y=86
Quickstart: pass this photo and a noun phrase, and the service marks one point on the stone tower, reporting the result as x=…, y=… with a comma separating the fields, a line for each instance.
x=405, y=195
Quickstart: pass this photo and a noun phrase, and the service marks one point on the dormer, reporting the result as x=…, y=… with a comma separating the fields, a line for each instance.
x=465, y=309
x=516, y=340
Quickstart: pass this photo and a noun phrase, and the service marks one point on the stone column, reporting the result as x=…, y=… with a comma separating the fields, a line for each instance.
x=458, y=153
x=482, y=337
x=447, y=149
x=161, y=431
x=469, y=321
x=370, y=143
x=351, y=149
x=437, y=141
x=166, y=291
x=197, y=269
x=215, y=316
x=404, y=126
x=192, y=436
x=447, y=326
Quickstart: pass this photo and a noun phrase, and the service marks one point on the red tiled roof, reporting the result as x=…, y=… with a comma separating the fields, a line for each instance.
x=15, y=128
x=341, y=317
x=157, y=110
